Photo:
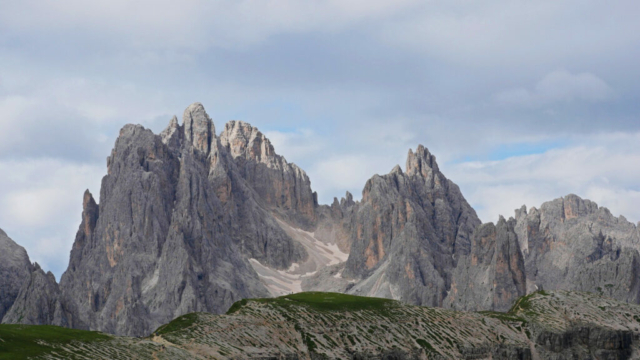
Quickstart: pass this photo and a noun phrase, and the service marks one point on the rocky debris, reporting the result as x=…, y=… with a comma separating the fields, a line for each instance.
x=15, y=267
x=407, y=233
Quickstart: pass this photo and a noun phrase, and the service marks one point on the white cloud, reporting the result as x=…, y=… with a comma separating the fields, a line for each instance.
x=600, y=168
x=193, y=24
x=71, y=116
x=558, y=86
x=334, y=175
x=296, y=146
x=503, y=33
x=365, y=80
x=41, y=206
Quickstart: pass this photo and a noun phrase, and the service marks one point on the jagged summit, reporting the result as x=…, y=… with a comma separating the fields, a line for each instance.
x=421, y=162
x=396, y=170
x=281, y=184
x=198, y=127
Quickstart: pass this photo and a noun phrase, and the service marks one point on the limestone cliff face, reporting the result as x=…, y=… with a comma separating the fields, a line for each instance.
x=407, y=232
x=571, y=243
x=567, y=244
x=180, y=214
x=281, y=185
x=15, y=267
x=492, y=275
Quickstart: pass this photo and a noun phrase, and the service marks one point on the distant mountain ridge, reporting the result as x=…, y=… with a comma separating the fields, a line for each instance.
x=190, y=220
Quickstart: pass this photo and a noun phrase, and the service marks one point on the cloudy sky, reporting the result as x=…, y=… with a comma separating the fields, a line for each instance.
x=521, y=101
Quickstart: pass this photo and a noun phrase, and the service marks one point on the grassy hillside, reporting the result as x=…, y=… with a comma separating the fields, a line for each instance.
x=337, y=326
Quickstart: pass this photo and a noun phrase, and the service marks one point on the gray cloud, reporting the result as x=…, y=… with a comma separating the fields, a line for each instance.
x=558, y=86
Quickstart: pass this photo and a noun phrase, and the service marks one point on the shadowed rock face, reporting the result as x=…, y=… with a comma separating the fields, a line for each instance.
x=492, y=275
x=15, y=267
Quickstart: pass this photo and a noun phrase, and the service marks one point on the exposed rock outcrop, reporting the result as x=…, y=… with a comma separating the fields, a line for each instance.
x=180, y=215
x=15, y=267
x=572, y=244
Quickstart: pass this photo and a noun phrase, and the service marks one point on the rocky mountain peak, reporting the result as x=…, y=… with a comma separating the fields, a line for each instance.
x=13, y=254
x=172, y=134
x=396, y=170
x=87, y=200
x=422, y=162
x=347, y=200
x=242, y=139
x=574, y=206
x=199, y=129
x=90, y=213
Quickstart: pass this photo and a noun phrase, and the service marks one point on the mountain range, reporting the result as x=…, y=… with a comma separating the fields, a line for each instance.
x=192, y=220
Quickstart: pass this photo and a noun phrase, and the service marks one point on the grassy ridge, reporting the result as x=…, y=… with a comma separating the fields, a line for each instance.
x=179, y=323
x=25, y=341
x=331, y=325
x=323, y=301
